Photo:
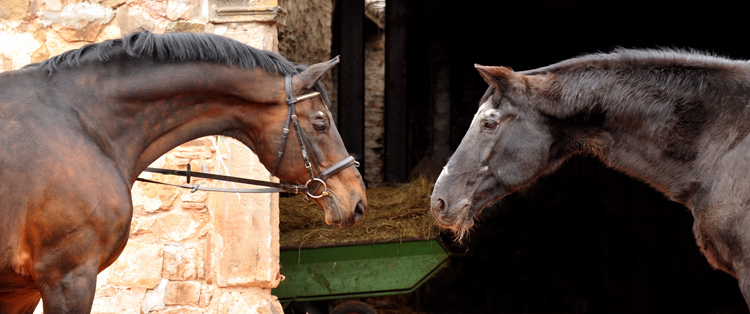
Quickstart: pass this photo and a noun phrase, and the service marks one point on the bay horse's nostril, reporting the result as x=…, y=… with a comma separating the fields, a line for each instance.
x=359, y=211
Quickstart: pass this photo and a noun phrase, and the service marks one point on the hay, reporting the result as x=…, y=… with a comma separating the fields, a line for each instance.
x=393, y=214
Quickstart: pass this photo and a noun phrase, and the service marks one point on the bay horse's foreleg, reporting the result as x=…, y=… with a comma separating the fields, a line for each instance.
x=72, y=293
x=19, y=302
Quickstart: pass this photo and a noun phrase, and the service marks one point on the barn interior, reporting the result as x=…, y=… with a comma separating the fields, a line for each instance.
x=585, y=239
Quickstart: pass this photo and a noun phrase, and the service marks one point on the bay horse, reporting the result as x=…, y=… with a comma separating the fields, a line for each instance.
x=78, y=129
x=678, y=120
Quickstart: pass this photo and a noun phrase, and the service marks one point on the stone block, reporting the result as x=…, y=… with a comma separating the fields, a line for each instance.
x=111, y=3
x=177, y=225
x=118, y=300
x=183, y=9
x=14, y=9
x=245, y=249
x=182, y=293
x=130, y=20
x=251, y=300
x=197, y=197
x=57, y=45
x=207, y=293
x=155, y=9
x=258, y=35
x=154, y=299
x=179, y=310
x=18, y=53
x=194, y=201
x=185, y=27
x=87, y=33
x=79, y=15
x=180, y=261
x=138, y=266
x=141, y=225
x=6, y=63
x=40, y=54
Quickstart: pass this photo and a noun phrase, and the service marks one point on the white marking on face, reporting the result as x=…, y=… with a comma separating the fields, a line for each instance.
x=443, y=174
x=482, y=108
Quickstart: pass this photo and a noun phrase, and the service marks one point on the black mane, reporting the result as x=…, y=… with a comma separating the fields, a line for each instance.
x=630, y=57
x=175, y=47
x=180, y=47
x=650, y=61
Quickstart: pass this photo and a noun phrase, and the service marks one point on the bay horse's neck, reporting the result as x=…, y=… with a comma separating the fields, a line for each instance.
x=643, y=123
x=140, y=112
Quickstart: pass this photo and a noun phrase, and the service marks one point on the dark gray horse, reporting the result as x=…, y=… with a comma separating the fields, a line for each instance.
x=677, y=120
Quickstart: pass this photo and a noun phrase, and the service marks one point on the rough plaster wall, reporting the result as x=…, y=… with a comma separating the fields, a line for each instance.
x=188, y=252
x=374, y=106
x=306, y=36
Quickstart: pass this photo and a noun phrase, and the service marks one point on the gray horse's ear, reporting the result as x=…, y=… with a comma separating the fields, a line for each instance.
x=501, y=77
x=310, y=76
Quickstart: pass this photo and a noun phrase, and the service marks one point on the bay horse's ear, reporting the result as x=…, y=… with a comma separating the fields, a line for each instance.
x=310, y=76
x=501, y=77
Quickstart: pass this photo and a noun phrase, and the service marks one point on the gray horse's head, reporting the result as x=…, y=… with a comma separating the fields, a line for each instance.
x=506, y=147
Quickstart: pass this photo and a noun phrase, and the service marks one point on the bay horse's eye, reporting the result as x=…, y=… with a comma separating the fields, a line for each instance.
x=319, y=126
x=490, y=124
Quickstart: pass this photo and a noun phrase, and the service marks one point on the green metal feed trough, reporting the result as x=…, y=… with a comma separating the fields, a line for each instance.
x=363, y=270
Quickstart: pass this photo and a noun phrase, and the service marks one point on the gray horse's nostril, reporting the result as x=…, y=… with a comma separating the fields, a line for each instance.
x=439, y=205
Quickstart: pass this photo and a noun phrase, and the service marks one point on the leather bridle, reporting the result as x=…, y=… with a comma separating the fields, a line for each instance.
x=311, y=164
x=310, y=161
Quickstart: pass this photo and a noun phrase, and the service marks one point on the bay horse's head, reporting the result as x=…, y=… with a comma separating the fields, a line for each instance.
x=506, y=147
x=302, y=146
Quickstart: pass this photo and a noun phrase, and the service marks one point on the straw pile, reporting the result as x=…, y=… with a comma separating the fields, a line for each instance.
x=393, y=214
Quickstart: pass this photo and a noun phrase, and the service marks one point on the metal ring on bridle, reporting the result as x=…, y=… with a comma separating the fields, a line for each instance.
x=325, y=188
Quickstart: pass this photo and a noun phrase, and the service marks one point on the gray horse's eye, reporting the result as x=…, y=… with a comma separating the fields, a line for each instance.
x=490, y=124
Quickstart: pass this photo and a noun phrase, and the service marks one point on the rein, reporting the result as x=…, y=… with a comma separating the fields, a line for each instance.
x=270, y=187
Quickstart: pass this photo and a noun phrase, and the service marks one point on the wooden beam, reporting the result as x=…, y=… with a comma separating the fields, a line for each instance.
x=351, y=85
x=395, y=91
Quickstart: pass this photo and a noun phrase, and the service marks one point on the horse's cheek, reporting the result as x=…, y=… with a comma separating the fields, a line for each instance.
x=521, y=156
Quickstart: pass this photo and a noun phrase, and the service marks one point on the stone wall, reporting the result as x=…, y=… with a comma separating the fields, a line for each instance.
x=188, y=252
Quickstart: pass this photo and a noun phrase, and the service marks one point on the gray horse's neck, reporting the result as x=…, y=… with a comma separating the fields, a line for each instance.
x=637, y=125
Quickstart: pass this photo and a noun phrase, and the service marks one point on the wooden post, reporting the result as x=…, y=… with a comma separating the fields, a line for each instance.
x=395, y=91
x=351, y=87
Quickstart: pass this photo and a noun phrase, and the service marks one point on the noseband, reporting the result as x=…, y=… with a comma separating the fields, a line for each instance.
x=310, y=163
x=272, y=187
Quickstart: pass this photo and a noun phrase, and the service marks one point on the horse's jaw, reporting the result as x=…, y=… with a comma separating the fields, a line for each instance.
x=335, y=213
x=457, y=200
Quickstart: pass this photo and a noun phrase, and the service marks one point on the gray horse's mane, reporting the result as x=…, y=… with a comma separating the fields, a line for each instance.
x=175, y=47
x=631, y=57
